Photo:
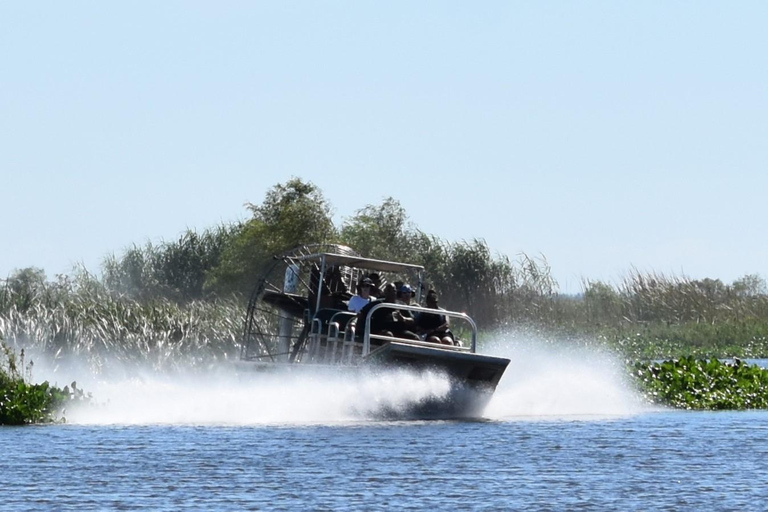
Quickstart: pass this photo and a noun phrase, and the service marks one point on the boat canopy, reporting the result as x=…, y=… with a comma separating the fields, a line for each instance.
x=359, y=262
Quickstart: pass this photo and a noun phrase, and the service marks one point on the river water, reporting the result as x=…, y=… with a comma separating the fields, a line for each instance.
x=563, y=432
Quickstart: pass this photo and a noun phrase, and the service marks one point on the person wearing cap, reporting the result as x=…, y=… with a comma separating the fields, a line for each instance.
x=404, y=318
x=363, y=296
x=404, y=294
x=386, y=321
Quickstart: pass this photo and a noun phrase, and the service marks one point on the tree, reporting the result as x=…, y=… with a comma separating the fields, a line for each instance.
x=750, y=285
x=292, y=214
x=381, y=231
x=22, y=287
x=602, y=301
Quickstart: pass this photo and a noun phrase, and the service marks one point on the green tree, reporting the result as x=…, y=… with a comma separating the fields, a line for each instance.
x=381, y=231
x=292, y=214
x=174, y=270
x=22, y=288
x=750, y=285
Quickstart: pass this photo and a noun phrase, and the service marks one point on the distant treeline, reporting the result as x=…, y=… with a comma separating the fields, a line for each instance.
x=216, y=268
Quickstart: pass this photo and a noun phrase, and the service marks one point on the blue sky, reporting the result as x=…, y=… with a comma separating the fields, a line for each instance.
x=604, y=135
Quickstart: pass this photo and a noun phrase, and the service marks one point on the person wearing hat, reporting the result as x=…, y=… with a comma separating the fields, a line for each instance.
x=405, y=321
x=363, y=296
x=404, y=294
x=386, y=321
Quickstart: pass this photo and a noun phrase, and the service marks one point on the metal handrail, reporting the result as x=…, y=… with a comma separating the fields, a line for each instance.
x=454, y=348
x=314, y=338
x=404, y=307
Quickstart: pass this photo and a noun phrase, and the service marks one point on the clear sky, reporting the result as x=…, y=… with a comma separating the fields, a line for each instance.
x=604, y=135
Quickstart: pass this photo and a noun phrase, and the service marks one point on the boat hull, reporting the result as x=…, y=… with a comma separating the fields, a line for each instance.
x=478, y=371
x=473, y=378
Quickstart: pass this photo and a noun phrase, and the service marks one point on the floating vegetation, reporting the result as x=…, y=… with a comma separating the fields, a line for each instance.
x=691, y=383
x=22, y=402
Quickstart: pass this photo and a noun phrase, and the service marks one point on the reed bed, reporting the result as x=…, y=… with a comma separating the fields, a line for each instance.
x=654, y=297
x=647, y=316
x=85, y=320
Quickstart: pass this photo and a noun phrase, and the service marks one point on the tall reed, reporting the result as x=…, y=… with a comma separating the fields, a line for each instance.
x=82, y=318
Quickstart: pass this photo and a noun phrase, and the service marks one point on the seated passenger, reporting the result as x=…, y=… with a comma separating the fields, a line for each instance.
x=381, y=319
x=363, y=296
x=388, y=321
x=405, y=322
x=434, y=327
x=404, y=293
x=376, y=290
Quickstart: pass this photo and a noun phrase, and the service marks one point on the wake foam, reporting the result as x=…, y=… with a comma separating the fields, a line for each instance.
x=560, y=380
x=275, y=398
x=544, y=379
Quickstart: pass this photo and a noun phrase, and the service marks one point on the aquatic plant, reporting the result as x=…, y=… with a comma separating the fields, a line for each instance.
x=691, y=383
x=23, y=402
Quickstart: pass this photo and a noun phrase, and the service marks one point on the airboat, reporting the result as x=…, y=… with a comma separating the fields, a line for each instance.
x=297, y=319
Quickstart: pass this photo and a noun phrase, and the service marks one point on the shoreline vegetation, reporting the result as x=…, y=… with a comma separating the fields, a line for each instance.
x=24, y=403
x=182, y=301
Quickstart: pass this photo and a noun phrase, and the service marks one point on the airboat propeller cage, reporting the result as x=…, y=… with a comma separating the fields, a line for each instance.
x=290, y=285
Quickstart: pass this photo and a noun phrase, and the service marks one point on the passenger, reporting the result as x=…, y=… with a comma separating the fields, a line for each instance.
x=382, y=321
x=435, y=327
x=388, y=321
x=405, y=322
x=405, y=294
x=363, y=296
x=398, y=285
x=376, y=290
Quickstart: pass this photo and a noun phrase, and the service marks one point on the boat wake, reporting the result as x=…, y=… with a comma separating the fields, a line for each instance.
x=543, y=380
x=560, y=380
x=218, y=398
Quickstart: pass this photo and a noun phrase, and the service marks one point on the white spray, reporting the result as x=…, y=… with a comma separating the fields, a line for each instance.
x=560, y=379
x=543, y=380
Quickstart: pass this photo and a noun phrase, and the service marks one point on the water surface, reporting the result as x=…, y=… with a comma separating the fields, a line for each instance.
x=565, y=431
x=650, y=461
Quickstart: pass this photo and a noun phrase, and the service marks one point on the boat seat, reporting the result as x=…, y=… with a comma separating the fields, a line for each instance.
x=343, y=318
x=326, y=315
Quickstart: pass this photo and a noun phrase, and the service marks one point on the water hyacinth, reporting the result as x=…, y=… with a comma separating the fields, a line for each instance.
x=23, y=402
x=690, y=383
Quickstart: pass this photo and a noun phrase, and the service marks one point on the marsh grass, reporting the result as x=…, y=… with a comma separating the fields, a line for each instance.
x=646, y=316
x=81, y=318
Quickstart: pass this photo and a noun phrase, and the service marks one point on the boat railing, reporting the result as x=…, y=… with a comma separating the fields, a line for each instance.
x=454, y=348
x=419, y=309
x=330, y=344
x=334, y=345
